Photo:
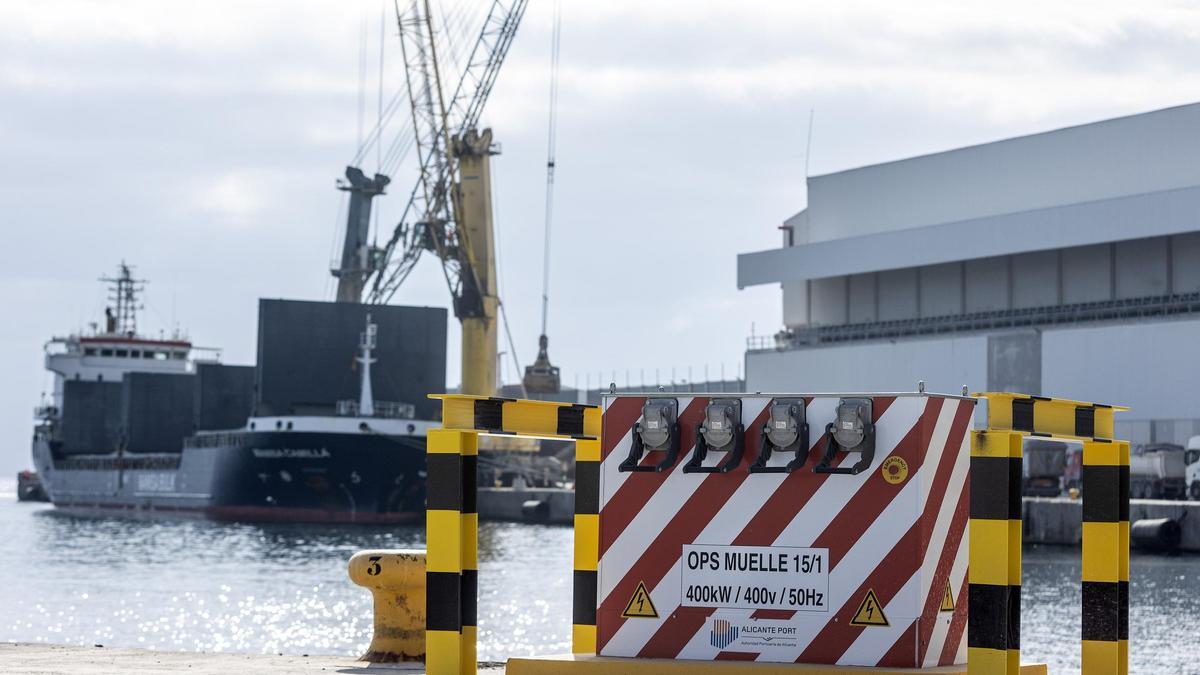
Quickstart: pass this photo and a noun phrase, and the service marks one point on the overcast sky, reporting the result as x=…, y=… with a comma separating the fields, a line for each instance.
x=201, y=141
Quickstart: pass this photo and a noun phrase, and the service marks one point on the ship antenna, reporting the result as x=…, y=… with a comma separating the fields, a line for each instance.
x=366, y=403
x=124, y=293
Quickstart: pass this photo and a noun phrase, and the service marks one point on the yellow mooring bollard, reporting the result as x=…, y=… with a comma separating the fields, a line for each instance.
x=396, y=579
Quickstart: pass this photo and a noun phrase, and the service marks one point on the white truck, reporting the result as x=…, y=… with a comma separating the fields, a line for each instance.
x=1157, y=471
x=1191, y=457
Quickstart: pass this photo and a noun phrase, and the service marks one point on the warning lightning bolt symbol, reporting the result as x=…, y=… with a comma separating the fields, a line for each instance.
x=641, y=604
x=869, y=612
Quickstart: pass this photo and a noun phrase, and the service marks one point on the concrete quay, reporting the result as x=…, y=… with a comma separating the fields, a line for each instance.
x=43, y=659
x=1058, y=520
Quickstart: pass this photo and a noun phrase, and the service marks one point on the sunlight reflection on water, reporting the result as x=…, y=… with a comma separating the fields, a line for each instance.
x=193, y=585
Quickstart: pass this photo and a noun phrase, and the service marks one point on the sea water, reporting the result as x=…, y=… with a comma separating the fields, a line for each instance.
x=197, y=585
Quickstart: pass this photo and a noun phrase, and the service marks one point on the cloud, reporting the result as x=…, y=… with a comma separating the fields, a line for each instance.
x=234, y=197
x=202, y=140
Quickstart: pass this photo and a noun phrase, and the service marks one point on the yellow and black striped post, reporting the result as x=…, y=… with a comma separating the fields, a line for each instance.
x=452, y=522
x=445, y=540
x=587, y=546
x=1106, y=558
x=994, y=584
x=470, y=553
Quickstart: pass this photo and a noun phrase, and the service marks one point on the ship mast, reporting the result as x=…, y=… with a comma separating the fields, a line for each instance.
x=121, y=319
x=366, y=402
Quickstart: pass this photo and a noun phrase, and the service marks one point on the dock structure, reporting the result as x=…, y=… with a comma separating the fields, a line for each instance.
x=42, y=659
x=1058, y=521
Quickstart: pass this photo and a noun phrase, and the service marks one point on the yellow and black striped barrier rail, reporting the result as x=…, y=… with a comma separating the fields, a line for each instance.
x=518, y=417
x=1050, y=417
x=994, y=588
x=452, y=522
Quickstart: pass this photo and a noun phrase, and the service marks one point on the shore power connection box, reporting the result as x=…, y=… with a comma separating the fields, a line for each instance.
x=810, y=528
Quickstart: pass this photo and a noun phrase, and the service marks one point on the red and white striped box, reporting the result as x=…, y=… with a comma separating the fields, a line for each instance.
x=865, y=570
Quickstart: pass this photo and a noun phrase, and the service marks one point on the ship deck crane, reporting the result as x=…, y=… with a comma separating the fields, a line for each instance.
x=449, y=211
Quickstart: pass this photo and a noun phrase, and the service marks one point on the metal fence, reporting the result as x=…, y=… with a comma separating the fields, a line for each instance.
x=1086, y=312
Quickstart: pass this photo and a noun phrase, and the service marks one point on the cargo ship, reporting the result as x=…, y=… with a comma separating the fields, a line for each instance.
x=328, y=426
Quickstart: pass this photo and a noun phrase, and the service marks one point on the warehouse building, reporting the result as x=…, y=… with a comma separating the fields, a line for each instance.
x=1064, y=263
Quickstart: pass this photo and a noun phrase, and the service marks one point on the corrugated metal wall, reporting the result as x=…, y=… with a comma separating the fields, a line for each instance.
x=986, y=282
x=1128, y=269
x=898, y=294
x=306, y=353
x=91, y=417
x=157, y=411
x=1137, y=154
x=946, y=364
x=224, y=396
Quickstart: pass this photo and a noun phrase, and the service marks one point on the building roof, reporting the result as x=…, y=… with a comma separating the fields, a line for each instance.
x=1124, y=178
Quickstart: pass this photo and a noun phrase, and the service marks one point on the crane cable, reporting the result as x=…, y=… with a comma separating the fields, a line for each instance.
x=512, y=350
x=550, y=143
x=512, y=347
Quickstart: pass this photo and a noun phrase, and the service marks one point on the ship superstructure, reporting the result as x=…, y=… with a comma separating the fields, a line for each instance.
x=106, y=355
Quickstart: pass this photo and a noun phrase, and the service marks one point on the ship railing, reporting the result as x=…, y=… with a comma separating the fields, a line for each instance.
x=45, y=412
x=216, y=439
x=114, y=463
x=386, y=409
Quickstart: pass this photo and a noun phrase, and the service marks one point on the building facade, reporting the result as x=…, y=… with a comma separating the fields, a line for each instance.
x=1064, y=263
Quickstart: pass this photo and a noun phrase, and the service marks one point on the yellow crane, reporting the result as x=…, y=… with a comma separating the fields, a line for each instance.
x=449, y=211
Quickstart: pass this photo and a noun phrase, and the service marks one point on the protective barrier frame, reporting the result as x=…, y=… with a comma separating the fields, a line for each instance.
x=994, y=587
x=994, y=576
x=452, y=523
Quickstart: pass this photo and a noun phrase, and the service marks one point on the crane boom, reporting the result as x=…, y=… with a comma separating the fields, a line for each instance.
x=427, y=222
x=449, y=210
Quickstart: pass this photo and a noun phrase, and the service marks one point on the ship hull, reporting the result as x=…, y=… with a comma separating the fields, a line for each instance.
x=264, y=476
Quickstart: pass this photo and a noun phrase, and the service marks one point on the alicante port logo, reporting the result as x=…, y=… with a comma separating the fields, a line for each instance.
x=723, y=633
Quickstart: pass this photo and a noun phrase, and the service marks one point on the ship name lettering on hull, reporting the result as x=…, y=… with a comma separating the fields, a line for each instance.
x=291, y=453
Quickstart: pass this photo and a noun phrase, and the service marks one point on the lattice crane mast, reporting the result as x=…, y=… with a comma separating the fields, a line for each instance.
x=449, y=210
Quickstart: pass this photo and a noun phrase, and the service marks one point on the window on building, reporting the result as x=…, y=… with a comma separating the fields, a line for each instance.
x=105, y=352
x=134, y=353
x=148, y=354
x=121, y=353
x=90, y=351
x=179, y=356
x=161, y=356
